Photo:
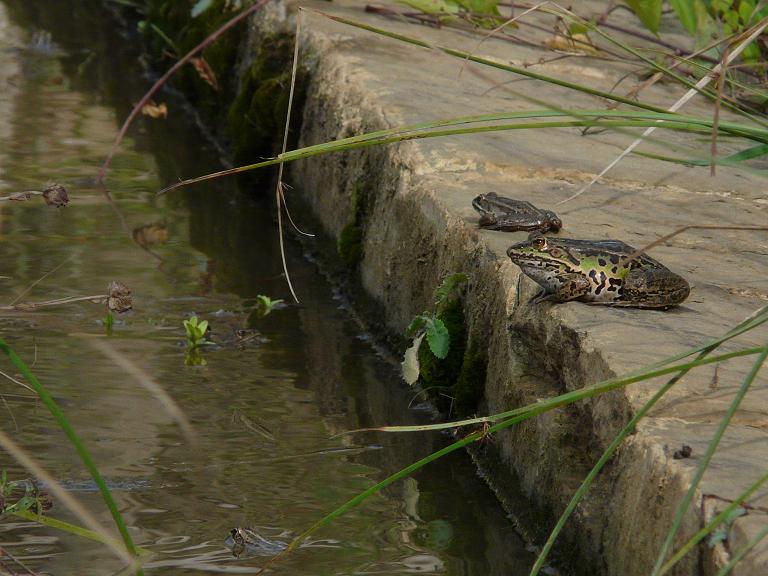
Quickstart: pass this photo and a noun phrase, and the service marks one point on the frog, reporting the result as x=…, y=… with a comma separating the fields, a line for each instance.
x=248, y=541
x=510, y=215
x=597, y=272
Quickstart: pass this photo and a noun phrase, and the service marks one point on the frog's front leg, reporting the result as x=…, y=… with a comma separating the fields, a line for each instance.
x=569, y=286
x=653, y=288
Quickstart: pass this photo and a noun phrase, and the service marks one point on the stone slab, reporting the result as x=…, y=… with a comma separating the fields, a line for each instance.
x=418, y=225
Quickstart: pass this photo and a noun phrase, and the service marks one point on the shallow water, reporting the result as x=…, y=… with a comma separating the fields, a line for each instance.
x=262, y=412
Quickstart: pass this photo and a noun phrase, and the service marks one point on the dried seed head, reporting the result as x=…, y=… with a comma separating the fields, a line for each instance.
x=44, y=501
x=119, y=297
x=56, y=195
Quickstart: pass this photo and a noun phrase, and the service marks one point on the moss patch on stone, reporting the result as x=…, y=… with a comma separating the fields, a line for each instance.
x=248, y=112
x=256, y=119
x=470, y=385
x=350, y=244
x=456, y=383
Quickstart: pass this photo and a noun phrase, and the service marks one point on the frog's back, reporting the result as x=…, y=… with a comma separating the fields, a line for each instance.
x=611, y=252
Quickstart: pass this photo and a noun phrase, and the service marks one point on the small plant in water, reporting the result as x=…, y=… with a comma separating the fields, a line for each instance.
x=265, y=305
x=21, y=495
x=429, y=325
x=195, y=332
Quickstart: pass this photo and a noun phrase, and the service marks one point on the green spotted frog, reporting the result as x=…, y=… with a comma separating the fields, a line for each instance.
x=597, y=272
x=510, y=215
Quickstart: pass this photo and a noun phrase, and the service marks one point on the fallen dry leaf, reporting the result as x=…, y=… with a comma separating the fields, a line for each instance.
x=205, y=72
x=579, y=43
x=155, y=110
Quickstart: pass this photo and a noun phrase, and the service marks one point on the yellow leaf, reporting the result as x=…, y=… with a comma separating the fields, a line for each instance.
x=155, y=110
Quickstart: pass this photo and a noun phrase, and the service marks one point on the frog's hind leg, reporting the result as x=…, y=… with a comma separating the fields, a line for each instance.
x=653, y=288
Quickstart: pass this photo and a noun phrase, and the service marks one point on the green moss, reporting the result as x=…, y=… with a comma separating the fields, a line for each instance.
x=248, y=112
x=457, y=382
x=350, y=244
x=470, y=385
x=176, y=22
x=256, y=119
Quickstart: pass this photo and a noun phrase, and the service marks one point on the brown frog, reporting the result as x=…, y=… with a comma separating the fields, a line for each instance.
x=510, y=215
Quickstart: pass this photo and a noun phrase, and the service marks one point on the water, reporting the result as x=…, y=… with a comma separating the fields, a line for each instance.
x=263, y=412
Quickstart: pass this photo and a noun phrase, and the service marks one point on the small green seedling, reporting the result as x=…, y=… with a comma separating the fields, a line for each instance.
x=265, y=304
x=429, y=325
x=12, y=501
x=195, y=331
x=109, y=321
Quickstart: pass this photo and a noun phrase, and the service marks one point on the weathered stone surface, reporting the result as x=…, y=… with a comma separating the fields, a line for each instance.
x=412, y=204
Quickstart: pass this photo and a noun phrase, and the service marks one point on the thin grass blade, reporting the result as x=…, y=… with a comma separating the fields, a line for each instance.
x=713, y=524
x=616, y=442
x=85, y=456
x=743, y=551
x=707, y=457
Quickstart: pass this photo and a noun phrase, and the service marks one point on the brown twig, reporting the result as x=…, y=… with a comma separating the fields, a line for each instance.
x=716, y=115
x=118, y=299
x=164, y=78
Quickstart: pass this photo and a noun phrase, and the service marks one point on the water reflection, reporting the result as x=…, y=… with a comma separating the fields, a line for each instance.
x=273, y=389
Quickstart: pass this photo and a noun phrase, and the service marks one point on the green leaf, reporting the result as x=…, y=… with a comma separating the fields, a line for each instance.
x=202, y=327
x=410, y=362
x=577, y=28
x=438, y=338
x=435, y=7
x=733, y=514
x=649, y=12
x=489, y=7
x=717, y=536
x=447, y=286
x=748, y=154
x=686, y=13
x=416, y=325
x=200, y=7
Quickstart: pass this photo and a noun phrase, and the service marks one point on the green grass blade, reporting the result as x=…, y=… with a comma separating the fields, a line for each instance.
x=606, y=456
x=574, y=396
x=549, y=79
x=527, y=413
x=608, y=453
x=707, y=92
x=743, y=551
x=713, y=524
x=592, y=118
x=85, y=456
x=484, y=61
x=67, y=527
x=713, y=444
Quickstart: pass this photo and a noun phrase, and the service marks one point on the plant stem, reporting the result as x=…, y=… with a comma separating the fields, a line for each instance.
x=164, y=78
x=85, y=456
x=713, y=444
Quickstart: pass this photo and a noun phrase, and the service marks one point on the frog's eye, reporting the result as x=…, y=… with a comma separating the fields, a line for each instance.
x=540, y=242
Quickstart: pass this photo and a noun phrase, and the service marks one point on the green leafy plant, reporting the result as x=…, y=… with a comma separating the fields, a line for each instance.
x=21, y=495
x=265, y=305
x=196, y=330
x=671, y=365
x=702, y=19
x=430, y=326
